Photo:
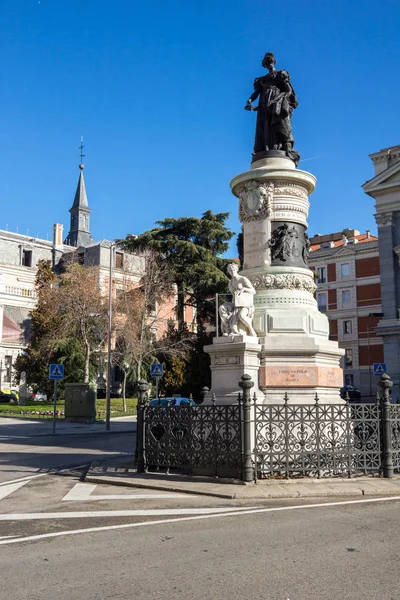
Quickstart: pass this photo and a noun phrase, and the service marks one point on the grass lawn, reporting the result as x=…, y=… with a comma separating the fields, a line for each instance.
x=44, y=410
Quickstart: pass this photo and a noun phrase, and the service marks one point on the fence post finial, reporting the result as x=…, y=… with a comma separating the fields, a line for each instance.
x=203, y=393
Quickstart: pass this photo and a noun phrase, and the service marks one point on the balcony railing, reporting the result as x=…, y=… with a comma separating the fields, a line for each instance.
x=19, y=291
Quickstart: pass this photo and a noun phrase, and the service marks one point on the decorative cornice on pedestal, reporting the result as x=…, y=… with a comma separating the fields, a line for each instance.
x=383, y=219
x=285, y=177
x=289, y=281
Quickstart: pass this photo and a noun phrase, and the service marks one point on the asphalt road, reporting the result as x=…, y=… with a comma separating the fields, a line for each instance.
x=26, y=455
x=345, y=551
x=64, y=538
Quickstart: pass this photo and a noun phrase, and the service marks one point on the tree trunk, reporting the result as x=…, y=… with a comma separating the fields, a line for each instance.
x=180, y=309
x=87, y=362
x=123, y=393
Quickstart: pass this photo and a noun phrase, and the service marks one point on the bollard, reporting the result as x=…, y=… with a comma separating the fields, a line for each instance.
x=142, y=388
x=246, y=384
x=385, y=385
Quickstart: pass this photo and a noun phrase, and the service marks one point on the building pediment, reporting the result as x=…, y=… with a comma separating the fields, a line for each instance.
x=385, y=182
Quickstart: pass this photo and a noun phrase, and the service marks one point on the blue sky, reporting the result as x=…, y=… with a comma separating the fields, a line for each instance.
x=157, y=89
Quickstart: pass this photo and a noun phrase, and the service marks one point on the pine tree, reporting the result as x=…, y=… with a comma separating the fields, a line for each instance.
x=193, y=250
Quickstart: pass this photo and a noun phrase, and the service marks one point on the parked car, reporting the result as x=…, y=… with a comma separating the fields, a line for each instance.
x=6, y=397
x=172, y=402
x=354, y=393
x=39, y=397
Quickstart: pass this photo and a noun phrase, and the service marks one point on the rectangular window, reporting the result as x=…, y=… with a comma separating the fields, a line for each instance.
x=119, y=260
x=7, y=368
x=347, y=327
x=321, y=274
x=348, y=357
x=349, y=380
x=26, y=258
x=80, y=258
x=345, y=270
x=321, y=300
x=346, y=297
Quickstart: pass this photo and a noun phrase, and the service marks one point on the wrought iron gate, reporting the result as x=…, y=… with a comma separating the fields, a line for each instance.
x=202, y=440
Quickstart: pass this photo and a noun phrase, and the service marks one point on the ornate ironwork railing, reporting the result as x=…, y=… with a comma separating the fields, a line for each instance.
x=395, y=431
x=318, y=439
x=194, y=439
x=251, y=440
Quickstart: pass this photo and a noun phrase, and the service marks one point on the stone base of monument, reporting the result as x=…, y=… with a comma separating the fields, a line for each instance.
x=301, y=367
x=231, y=357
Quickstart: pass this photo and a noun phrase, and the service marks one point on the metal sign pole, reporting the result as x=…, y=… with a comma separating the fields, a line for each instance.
x=157, y=378
x=55, y=406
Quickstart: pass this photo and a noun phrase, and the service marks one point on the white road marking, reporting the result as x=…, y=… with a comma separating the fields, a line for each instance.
x=25, y=479
x=2, y=537
x=13, y=437
x=6, y=490
x=83, y=492
x=159, y=512
x=43, y=536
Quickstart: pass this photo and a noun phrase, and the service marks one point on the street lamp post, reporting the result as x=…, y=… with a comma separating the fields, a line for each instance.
x=110, y=291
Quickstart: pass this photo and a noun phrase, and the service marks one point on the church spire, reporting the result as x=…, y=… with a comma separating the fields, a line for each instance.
x=79, y=233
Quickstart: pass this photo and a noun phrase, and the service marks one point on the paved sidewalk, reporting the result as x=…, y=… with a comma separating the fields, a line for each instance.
x=23, y=427
x=120, y=473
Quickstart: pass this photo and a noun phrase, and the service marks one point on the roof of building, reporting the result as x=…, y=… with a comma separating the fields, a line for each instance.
x=80, y=200
x=361, y=238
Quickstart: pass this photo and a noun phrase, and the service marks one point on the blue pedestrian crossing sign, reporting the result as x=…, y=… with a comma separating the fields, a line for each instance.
x=157, y=370
x=56, y=372
x=379, y=369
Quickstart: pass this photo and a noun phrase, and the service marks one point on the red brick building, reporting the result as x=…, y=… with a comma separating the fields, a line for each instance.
x=349, y=292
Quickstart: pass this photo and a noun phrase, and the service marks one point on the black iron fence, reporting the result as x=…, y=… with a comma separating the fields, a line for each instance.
x=252, y=441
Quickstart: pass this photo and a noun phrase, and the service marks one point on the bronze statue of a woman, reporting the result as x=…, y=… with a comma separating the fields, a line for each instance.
x=277, y=100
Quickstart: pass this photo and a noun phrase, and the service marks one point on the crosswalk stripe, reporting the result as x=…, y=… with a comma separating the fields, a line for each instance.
x=84, y=492
x=6, y=490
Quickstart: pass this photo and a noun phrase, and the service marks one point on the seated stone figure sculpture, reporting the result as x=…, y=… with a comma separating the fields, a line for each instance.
x=237, y=316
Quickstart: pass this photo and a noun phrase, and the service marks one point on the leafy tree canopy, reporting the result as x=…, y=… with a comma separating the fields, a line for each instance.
x=193, y=249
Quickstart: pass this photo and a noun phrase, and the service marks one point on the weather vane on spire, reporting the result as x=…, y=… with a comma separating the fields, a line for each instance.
x=81, y=147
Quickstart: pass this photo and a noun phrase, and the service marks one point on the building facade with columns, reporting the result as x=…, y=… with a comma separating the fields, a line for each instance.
x=384, y=187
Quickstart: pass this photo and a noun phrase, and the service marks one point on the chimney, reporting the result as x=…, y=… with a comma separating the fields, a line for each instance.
x=57, y=235
x=368, y=233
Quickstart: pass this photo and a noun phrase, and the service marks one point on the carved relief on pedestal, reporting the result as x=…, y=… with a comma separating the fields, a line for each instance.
x=255, y=201
x=285, y=188
x=279, y=200
x=289, y=281
x=384, y=219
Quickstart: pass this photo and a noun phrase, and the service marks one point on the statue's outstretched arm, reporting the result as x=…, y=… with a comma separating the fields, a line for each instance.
x=254, y=95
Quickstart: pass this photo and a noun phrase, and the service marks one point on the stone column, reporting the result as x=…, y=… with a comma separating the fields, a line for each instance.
x=384, y=187
x=296, y=355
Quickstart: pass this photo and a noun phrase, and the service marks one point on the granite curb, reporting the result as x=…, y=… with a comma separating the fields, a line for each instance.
x=126, y=475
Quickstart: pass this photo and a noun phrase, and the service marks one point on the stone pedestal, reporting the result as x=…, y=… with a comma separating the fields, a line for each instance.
x=232, y=357
x=296, y=355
